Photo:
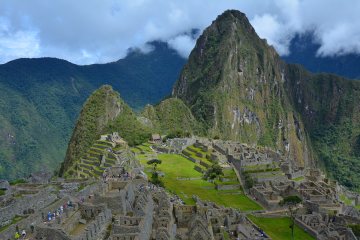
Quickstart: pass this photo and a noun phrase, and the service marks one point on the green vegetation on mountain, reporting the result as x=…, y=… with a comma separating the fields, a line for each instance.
x=233, y=85
x=41, y=100
x=101, y=107
x=237, y=87
x=171, y=115
x=103, y=112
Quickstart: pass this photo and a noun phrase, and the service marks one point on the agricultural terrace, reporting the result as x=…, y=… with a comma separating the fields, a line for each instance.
x=278, y=228
x=175, y=166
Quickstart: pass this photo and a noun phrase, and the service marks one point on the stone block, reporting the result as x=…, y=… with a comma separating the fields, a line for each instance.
x=83, y=221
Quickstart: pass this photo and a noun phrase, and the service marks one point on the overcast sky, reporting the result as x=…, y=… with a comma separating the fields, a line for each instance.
x=100, y=31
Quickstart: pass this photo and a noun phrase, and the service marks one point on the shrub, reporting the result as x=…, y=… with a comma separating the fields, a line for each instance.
x=249, y=182
x=17, y=181
x=2, y=192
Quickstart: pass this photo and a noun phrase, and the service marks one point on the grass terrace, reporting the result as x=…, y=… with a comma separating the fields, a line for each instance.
x=299, y=178
x=279, y=175
x=193, y=155
x=232, y=172
x=134, y=150
x=278, y=228
x=174, y=166
x=199, y=150
x=218, y=182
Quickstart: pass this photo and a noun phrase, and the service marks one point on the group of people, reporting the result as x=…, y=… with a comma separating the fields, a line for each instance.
x=52, y=216
x=262, y=233
x=126, y=176
x=23, y=234
x=176, y=198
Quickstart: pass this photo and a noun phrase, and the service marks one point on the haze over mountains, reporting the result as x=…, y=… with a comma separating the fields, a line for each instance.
x=42, y=99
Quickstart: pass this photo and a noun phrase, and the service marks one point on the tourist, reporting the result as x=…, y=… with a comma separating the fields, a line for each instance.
x=49, y=214
x=50, y=219
x=54, y=217
x=32, y=227
x=82, y=200
x=17, y=235
x=89, y=197
x=119, y=189
x=23, y=234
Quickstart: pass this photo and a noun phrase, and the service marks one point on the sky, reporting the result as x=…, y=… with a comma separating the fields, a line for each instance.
x=101, y=31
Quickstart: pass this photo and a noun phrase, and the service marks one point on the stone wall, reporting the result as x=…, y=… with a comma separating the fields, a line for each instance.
x=278, y=179
x=37, y=218
x=308, y=229
x=186, y=179
x=20, y=204
x=224, y=179
x=350, y=219
x=265, y=173
x=227, y=187
x=200, y=169
x=296, y=174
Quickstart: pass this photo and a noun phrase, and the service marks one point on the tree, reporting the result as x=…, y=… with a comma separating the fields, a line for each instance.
x=291, y=202
x=214, y=171
x=154, y=162
x=249, y=182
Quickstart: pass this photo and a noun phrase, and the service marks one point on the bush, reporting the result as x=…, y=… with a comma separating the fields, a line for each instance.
x=249, y=183
x=355, y=229
x=17, y=181
x=2, y=192
x=155, y=180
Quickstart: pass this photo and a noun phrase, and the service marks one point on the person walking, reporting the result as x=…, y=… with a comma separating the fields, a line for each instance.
x=23, y=234
x=119, y=189
x=32, y=227
x=17, y=235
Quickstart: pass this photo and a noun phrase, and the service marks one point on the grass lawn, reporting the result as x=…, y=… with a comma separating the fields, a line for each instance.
x=278, y=228
x=144, y=148
x=134, y=149
x=229, y=172
x=347, y=202
x=226, y=183
x=175, y=166
x=299, y=178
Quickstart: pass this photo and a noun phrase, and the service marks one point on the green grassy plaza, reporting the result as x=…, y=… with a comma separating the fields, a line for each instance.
x=175, y=166
x=278, y=228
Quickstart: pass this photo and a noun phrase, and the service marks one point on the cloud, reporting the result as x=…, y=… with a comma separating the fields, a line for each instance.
x=183, y=44
x=86, y=32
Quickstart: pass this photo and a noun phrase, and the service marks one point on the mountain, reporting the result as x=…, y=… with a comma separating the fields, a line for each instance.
x=238, y=87
x=103, y=112
x=303, y=48
x=41, y=100
x=169, y=116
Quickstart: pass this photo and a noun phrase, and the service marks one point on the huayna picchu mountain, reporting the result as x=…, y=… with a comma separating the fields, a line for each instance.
x=237, y=86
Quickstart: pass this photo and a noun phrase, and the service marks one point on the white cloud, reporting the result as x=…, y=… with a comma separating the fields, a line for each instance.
x=104, y=30
x=183, y=44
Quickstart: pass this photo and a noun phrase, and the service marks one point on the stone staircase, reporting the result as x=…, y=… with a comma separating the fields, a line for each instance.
x=93, y=163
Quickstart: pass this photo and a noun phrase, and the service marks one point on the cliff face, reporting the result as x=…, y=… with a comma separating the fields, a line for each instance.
x=234, y=84
x=102, y=106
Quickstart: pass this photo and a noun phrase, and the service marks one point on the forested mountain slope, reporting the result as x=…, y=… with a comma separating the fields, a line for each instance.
x=41, y=100
x=237, y=86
